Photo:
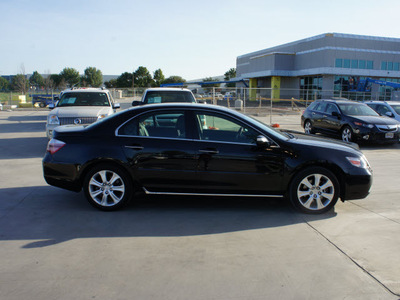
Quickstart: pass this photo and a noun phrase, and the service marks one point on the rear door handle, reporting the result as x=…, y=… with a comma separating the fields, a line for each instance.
x=209, y=151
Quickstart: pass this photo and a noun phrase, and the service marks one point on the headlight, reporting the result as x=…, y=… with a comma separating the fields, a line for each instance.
x=360, y=162
x=102, y=116
x=364, y=124
x=53, y=120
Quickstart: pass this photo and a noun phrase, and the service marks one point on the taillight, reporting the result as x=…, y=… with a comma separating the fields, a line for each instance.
x=54, y=145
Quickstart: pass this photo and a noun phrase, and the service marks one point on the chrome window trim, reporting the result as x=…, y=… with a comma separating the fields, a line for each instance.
x=276, y=145
x=209, y=194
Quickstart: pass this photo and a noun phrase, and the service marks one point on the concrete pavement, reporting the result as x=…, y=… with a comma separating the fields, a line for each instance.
x=54, y=245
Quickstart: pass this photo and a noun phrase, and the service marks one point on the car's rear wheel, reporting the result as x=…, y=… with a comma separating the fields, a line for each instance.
x=347, y=134
x=108, y=187
x=314, y=190
x=308, y=128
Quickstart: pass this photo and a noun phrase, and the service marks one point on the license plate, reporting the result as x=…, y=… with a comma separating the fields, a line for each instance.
x=389, y=135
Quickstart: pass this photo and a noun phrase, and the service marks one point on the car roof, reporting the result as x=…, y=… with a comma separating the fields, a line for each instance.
x=382, y=102
x=84, y=90
x=338, y=101
x=182, y=105
x=167, y=89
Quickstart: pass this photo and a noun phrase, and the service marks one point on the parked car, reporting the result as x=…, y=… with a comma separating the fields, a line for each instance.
x=164, y=149
x=386, y=108
x=79, y=106
x=352, y=121
x=165, y=95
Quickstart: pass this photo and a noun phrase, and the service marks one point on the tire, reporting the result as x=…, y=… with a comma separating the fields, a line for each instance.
x=308, y=128
x=41, y=104
x=108, y=187
x=347, y=134
x=314, y=190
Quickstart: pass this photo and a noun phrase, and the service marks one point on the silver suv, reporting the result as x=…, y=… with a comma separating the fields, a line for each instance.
x=386, y=108
x=80, y=106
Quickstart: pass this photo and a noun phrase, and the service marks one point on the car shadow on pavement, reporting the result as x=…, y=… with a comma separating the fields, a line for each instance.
x=23, y=147
x=46, y=216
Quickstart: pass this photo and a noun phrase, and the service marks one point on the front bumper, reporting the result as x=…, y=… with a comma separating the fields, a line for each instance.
x=375, y=135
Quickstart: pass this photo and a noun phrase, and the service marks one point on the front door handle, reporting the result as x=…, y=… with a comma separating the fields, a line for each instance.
x=209, y=151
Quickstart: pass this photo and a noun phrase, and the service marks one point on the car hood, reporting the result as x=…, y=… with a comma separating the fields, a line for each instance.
x=81, y=111
x=378, y=120
x=322, y=142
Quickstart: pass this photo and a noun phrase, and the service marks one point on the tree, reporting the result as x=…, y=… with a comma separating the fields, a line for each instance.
x=208, y=87
x=20, y=83
x=158, y=77
x=93, y=77
x=4, y=84
x=125, y=80
x=36, y=80
x=230, y=74
x=58, y=81
x=71, y=76
x=143, y=77
x=111, y=84
x=174, y=79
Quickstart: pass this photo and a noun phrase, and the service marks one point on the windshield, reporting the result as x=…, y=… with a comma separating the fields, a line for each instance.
x=357, y=109
x=84, y=99
x=274, y=132
x=396, y=108
x=168, y=96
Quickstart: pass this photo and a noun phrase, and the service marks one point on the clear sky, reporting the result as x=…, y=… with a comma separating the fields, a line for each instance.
x=192, y=39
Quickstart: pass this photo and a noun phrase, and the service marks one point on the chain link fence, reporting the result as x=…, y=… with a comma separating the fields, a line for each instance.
x=259, y=101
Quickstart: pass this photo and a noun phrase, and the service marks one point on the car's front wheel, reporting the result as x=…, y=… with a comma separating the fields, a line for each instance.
x=314, y=190
x=107, y=187
x=347, y=134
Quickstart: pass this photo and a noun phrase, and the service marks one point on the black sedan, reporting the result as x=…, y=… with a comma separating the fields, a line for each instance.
x=352, y=121
x=203, y=150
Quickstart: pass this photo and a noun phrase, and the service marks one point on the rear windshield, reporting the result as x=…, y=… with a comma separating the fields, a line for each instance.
x=168, y=96
x=84, y=99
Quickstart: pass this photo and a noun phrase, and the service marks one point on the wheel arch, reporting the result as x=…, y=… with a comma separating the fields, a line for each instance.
x=336, y=170
x=85, y=169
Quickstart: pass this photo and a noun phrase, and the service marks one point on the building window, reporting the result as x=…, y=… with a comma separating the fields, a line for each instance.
x=339, y=63
x=396, y=66
x=346, y=63
x=384, y=65
x=310, y=87
x=354, y=64
x=370, y=64
x=361, y=64
x=390, y=66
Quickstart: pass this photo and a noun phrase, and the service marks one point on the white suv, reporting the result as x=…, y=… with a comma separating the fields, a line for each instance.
x=79, y=106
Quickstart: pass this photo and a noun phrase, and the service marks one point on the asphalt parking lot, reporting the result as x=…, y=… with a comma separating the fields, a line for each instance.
x=54, y=245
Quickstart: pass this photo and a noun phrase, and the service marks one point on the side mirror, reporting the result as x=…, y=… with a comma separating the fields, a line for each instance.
x=263, y=142
x=136, y=103
x=389, y=114
x=51, y=106
x=116, y=105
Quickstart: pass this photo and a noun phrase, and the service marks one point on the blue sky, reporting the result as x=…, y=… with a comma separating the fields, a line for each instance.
x=192, y=39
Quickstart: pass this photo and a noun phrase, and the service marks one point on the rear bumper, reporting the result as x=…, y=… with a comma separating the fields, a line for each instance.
x=62, y=176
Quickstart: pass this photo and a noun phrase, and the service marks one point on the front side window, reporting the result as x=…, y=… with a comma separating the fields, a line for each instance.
x=331, y=108
x=223, y=129
x=156, y=124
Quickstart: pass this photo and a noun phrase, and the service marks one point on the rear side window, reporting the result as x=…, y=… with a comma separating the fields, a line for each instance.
x=156, y=124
